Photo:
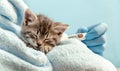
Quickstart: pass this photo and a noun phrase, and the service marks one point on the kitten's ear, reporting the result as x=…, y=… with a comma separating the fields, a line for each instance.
x=60, y=28
x=29, y=17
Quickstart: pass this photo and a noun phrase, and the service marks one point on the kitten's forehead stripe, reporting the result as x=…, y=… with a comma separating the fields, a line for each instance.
x=44, y=23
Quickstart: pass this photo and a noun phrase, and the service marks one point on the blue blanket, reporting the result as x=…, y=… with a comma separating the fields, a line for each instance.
x=71, y=55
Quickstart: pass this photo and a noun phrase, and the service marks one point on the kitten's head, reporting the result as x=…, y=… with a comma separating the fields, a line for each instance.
x=38, y=30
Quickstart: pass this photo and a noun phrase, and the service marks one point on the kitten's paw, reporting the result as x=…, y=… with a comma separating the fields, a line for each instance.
x=46, y=49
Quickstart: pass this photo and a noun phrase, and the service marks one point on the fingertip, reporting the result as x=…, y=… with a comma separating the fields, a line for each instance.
x=104, y=26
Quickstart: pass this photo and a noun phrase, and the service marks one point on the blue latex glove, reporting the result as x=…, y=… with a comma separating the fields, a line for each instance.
x=95, y=38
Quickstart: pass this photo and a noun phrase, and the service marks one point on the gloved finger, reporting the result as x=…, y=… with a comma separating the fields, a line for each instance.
x=101, y=54
x=96, y=41
x=93, y=26
x=86, y=29
x=82, y=30
x=96, y=31
x=98, y=49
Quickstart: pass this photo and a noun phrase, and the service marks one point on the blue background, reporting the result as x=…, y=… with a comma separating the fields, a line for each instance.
x=80, y=13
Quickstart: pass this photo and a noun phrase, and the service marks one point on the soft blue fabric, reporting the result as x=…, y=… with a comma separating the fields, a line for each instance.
x=95, y=38
x=14, y=55
x=11, y=14
x=71, y=55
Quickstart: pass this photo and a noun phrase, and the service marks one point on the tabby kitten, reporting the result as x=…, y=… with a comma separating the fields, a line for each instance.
x=40, y=32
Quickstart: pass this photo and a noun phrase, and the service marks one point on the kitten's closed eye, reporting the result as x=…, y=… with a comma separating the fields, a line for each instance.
x=33, y=36
x=50, y=42
x=46, y=40
x=30, y=35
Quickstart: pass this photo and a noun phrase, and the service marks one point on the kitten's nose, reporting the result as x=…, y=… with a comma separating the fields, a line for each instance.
x=39, y=44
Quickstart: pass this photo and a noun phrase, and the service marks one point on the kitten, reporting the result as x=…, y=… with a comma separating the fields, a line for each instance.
x=40, y=32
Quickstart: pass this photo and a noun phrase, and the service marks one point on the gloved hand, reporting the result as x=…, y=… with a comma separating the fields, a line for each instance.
x=95, y=37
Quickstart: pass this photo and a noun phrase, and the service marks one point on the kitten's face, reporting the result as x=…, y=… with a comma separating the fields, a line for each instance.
x=40, y=32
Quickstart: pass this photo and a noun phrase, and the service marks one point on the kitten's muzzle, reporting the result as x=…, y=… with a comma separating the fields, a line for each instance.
x=39, y=44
